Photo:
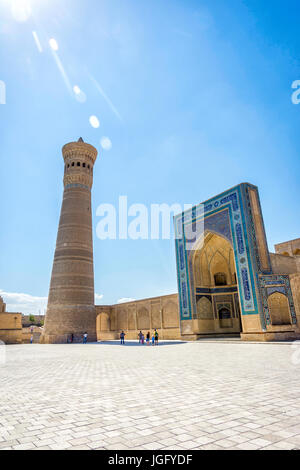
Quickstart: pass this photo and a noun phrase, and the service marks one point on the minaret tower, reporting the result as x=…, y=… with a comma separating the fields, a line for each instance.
x=71, y=302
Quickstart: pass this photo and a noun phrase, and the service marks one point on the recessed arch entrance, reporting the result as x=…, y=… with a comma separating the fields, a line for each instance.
x=227, y=233
x=215, y=287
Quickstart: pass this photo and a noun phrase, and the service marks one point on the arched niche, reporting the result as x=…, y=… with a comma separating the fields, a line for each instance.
x=122, y=319
x=213, y=257
x=143, y=319
x=170, y=315
x=113, y=321
x=279, y=309
x=204, y=309
x=103, y=322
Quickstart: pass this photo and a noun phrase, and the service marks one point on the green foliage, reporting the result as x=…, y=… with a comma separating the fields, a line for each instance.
x=31, y=318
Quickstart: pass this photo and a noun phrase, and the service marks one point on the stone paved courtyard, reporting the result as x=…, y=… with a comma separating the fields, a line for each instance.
x=204, y=395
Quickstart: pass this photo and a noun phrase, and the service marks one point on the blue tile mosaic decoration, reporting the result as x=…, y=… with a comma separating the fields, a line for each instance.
x=272, y=290
x=246, y=285
x=276, y=283
x=240, y=238
x=218, y=223
x=230, y=216
x=216, y=290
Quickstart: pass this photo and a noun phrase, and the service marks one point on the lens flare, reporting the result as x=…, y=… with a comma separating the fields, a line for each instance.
x=53, y=44
x=106, y=143
x=79, y=94
x=94, y=122
x=21, y=10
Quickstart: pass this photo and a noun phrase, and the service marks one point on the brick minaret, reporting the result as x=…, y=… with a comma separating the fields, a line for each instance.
x=71, y=303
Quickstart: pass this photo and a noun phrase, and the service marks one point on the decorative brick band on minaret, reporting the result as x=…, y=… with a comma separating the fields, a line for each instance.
x=71, y=301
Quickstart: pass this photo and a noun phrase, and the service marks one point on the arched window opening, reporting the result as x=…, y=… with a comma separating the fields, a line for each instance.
x=225, y=318
x=73, y=164
x=224, y=313
x=78, y=163
x=83, y=165
x=220, y=279
x=279, y=309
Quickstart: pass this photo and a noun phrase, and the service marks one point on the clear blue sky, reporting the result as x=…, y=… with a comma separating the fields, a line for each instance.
x=198, y=100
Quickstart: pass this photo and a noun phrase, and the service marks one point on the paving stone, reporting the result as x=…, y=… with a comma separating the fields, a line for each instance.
x=184, y=437
x=60, y=446
x=247, y=446
x=286, y=445
x=203, y=396
x=79, y=448
x=80, y=441
x=226, y=443
x=44, y=442
x=28, y=446
x=239, y=439
x=260, y=442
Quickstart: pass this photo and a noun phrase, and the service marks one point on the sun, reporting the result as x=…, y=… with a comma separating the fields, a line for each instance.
x=21, y=10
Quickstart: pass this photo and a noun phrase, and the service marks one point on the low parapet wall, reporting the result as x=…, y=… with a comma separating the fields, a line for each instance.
x=38, y=320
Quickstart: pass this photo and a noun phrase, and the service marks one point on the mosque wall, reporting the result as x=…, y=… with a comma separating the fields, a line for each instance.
x=289, y=248
x=145, y=315
x=10, y=325
x=11, y=328
x=282, y=264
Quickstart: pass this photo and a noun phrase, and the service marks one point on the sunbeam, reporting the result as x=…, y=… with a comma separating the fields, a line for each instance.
x=63, y=72
x=37, y=41
x=107, y=99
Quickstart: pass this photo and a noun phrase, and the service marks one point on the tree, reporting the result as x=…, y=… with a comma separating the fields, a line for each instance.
x=31, y=319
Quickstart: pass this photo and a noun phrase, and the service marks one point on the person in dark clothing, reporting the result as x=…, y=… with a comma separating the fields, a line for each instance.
x=122, y=337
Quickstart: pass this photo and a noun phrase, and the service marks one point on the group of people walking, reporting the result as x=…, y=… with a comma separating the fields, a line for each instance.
x=141, y=337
